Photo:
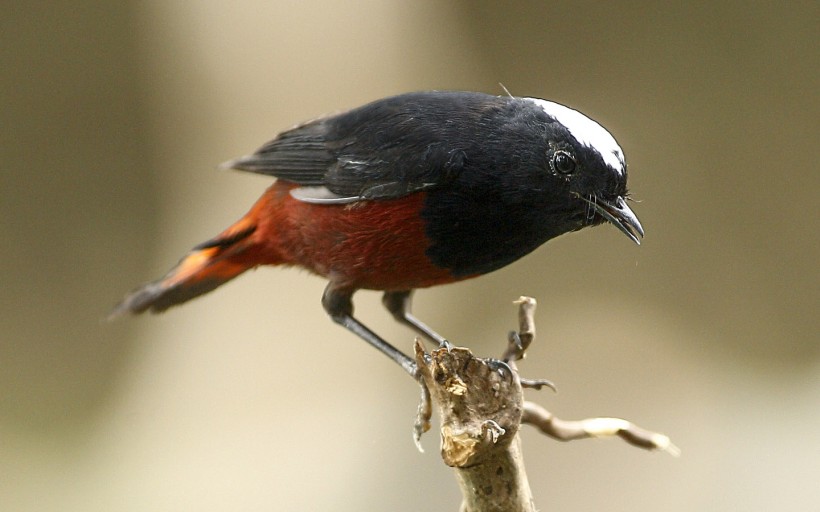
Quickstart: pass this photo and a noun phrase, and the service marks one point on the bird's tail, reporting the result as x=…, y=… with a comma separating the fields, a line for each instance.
x=207, y=266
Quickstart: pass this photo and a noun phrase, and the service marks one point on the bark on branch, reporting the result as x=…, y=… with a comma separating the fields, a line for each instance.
x=481, y=404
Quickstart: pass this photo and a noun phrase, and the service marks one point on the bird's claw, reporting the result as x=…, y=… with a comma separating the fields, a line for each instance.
x=537, y=384
x=515, y=348
x=497, y=365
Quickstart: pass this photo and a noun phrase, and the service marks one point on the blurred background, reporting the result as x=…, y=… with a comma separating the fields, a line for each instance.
x=116, y=114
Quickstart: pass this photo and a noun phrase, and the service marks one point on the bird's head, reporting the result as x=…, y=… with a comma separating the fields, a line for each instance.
x=588, y=165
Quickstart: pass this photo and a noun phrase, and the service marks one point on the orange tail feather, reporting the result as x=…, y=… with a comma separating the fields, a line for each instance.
x=206, y=267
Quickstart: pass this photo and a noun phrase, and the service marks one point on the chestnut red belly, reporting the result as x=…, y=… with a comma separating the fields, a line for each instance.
x=368, y=244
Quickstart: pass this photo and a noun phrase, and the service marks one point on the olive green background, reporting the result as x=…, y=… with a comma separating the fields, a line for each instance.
x=115, y=115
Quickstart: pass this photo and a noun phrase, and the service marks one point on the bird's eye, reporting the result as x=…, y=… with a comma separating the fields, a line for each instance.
x=563, y=163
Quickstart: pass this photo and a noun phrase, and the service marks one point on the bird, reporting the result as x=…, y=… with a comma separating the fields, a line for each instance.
x=411, y=191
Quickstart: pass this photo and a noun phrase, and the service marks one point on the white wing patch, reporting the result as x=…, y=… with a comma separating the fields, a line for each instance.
x=587, y=132
x=320, y=195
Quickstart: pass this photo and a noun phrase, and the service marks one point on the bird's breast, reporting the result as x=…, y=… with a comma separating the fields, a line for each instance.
x=474, y=233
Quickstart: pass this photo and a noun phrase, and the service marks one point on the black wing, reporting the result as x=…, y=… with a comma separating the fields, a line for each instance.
x=386, y=149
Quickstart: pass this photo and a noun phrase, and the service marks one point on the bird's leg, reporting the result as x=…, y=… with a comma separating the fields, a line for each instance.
x=339, y=305
x=398, y=303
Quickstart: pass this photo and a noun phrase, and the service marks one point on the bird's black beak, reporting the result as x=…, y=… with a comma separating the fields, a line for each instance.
x=619, y=214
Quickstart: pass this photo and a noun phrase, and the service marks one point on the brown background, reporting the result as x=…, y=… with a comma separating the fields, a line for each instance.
x=115, y=114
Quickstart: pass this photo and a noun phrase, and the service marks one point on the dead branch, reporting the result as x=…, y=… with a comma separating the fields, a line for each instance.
x=481, y=405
